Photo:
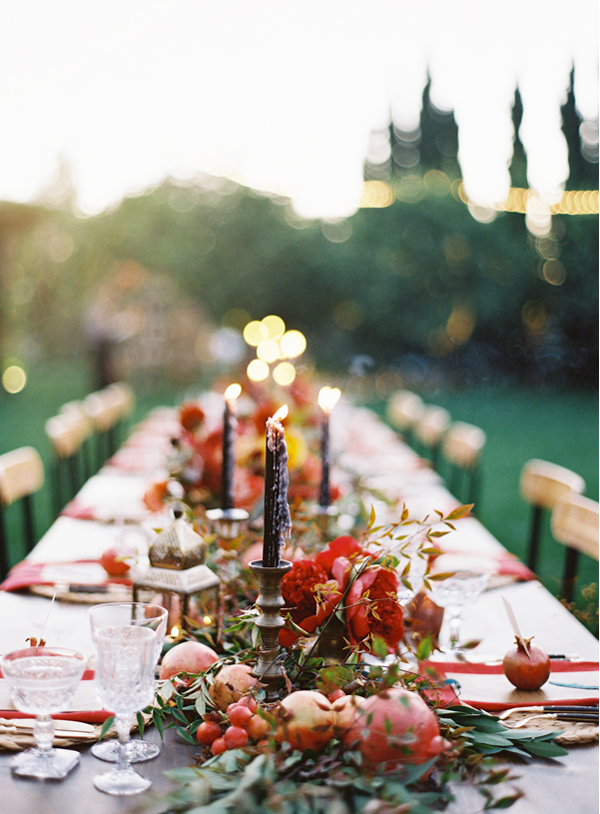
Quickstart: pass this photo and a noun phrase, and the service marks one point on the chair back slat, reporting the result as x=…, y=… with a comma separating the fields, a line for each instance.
x=21, y=473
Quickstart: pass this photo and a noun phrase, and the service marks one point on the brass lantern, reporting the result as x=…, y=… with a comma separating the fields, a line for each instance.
x=177, y=569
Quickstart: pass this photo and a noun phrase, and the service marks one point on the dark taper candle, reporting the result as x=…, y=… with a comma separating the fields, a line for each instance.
x=277, y=520
x=228, y=462
x=324, y=492
x=328, y=397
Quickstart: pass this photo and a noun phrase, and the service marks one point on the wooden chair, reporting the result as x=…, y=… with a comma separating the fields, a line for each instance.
x=574, y=523
x=462, y=446
x=429, y=431
x=65, y=432
x=109, y=410
x=21, y=476
x=541, y=484
x=404, y=409
x=103, y=416
x=121, y=399
x=75, y=414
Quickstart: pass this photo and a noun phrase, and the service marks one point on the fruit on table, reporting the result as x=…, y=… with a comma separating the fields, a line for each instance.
x=230, y=684
x=208, y=732
x=187, y=657
x=305, y=720
x=526, y=665
x=394, y=727
x=115, y=562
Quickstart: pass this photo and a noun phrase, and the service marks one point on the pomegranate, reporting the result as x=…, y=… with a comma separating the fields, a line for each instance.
x=187, y=657
x=115, y=563
x=305, y=720
x=394, y=727
x=230, y=684
x=527, y=668
x=344, y=712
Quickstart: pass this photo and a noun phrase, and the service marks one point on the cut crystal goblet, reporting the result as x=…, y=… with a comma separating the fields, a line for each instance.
x=42, y=682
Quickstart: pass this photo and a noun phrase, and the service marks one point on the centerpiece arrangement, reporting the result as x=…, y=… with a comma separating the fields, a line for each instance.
x=309, y=690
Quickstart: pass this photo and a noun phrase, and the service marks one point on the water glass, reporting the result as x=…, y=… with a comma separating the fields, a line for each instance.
x=147, y=615
x=453, y=594
x=42, y=682
x=127, y=652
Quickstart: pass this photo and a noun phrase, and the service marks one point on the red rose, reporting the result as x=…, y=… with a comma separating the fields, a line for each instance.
x=372, y=608
x=297, y=589
x=344, y=546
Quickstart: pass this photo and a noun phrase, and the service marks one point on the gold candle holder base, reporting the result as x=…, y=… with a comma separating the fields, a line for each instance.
x=323, y=516
x=269, y=671
x=227, y=523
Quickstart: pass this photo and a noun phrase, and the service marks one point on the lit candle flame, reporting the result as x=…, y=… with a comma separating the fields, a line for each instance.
x=281, y=413
x=232, y=392
x=175, y=632
x=328, y=398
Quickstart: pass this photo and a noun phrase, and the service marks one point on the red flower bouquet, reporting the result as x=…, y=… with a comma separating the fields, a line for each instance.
x=344, y=577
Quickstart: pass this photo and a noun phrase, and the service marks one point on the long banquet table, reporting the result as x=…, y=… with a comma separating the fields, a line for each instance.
x=366, y=447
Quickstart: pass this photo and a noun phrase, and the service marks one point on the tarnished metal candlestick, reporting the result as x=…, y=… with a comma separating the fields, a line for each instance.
x=270, y=602
x=227, y=523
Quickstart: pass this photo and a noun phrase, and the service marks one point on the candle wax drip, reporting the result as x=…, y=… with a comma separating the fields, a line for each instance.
x=278, y=523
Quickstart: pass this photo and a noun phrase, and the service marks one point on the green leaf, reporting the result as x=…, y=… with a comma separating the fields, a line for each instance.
x=106, y=726
x=424, y=648
x=158, y=722
x=185, y=734
x=545, y=749
x=140, y=723
x=503, y=802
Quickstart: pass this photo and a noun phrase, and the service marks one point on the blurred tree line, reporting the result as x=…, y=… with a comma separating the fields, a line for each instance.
x=416, y=283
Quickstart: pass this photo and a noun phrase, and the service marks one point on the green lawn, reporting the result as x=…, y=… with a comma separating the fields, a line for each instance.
x=521, y=423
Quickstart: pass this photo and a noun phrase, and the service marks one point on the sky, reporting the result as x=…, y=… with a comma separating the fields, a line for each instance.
x=282, y=95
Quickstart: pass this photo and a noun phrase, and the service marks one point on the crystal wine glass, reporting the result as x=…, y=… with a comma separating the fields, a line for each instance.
x=126, y=658
x=42, y=682
x=453, y=594
x=154, y=617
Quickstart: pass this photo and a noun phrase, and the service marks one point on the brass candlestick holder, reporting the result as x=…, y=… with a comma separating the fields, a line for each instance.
x=270, y=602
x=227, y=523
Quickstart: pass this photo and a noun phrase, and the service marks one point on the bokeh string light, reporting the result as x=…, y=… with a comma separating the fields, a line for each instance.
x=276, y=348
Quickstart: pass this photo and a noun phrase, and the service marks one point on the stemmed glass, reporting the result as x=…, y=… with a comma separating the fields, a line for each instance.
x=155, y=617
x=127, y=652
x=453, y=594
x=42, y=682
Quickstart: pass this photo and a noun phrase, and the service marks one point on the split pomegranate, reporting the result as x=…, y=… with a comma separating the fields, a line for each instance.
x=394, y=727
x=305, y=720
x=527, y=669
